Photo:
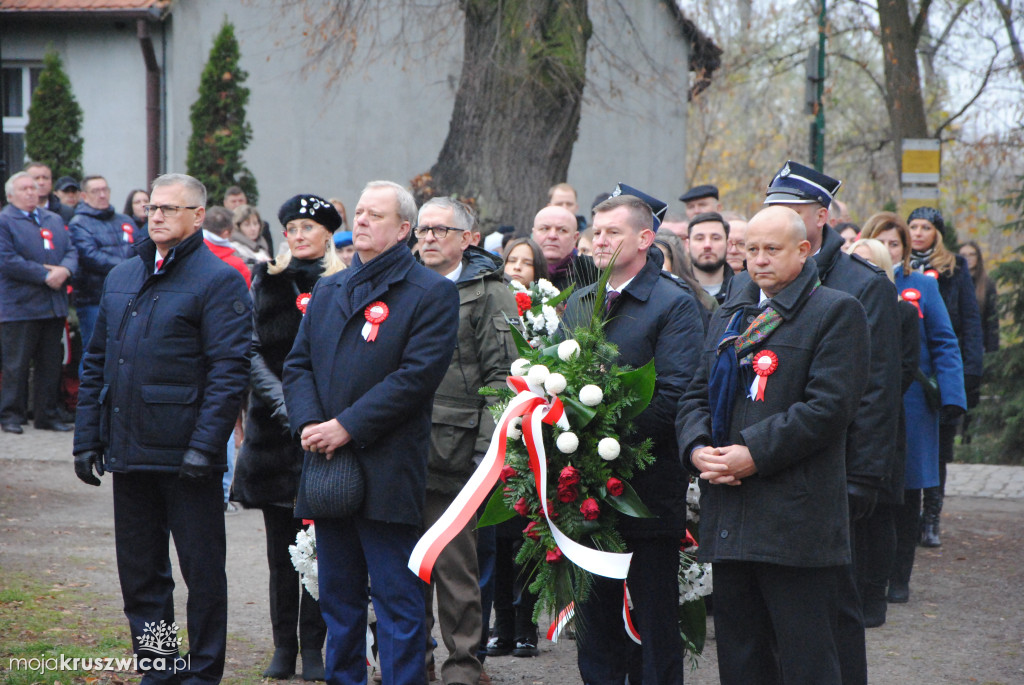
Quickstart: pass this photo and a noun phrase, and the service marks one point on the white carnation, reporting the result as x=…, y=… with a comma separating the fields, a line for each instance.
x=567, y=443
x=520, y=366
x=555, y=383
x=547, y=290
x=608, y=448
x=515, y=430
x=567, y=349
x=518, y=287
x=538, y=374
x=591, y=395
x=550, y=319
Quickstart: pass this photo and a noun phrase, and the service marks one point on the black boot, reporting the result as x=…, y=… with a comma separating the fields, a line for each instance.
x=282, y=665
x=930, y=517
x=907, y=519
x=312, y=665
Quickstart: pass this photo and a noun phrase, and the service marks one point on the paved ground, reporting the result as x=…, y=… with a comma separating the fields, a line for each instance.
x=964, y=623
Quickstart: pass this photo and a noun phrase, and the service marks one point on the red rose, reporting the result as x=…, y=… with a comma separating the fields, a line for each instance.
x=687, y=542
x=523, y=302
x=569, y=476
x=553, y=556
x=614, y=486
x=507, y=472
x=521, y=507
x=530, y=532
x=552, y=514
x=567, y=493
x=589, y=509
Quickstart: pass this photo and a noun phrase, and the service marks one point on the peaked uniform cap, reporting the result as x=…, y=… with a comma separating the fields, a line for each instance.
x=798, y=184
x=658, y=208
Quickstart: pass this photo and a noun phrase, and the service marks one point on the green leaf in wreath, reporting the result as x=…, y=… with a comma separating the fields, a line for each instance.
x=561, y=297
x=579, y=414
x=496, y=510
x=693, y=623
x=629, y=503
x=521, y=343
x=639, y=382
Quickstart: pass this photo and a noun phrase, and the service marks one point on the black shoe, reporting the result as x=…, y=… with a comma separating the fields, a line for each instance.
x=282, y=665
x=499, y=646
x=526, y=648
x=12, y=427
x=930, y=535
x=313, y=665
x=55, y=426
x=874, y=613
x=899, y=593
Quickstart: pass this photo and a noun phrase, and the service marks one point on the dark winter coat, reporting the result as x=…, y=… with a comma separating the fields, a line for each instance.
x=103, y=239
x=990, y=317
x=871, y=452
x=656, y=317
x=910, y=359
x=957, y=291
x=24, y=295
x=270, y=460
x=168, y=362
x=462, y=426
x=380, y=391
x=54, y=204
x=793, y=511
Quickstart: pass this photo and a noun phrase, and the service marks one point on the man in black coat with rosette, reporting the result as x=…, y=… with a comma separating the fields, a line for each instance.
x=764, y=424
x=650, y=315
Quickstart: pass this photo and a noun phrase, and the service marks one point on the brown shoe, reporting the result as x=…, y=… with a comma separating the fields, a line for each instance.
x=484, y=678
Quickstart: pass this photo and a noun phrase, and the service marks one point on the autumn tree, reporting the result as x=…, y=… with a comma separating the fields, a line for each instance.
x=54, y=131
x=220, y=133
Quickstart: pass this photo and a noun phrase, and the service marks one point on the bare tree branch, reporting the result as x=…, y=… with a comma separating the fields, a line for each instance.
x=864, y=67
x=1006, y=12
x=920, y=21
x=977, y=94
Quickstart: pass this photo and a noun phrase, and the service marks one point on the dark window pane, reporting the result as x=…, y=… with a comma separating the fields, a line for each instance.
x=13, y=106
x=14, y=154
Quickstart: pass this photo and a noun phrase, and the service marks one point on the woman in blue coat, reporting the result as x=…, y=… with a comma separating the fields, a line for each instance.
x=940, y=360
x=930, y=256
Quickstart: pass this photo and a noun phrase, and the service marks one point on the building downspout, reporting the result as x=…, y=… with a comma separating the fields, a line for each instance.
x=152, y=100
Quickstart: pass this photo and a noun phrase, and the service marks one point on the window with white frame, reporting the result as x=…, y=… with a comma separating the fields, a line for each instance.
x=18, y=82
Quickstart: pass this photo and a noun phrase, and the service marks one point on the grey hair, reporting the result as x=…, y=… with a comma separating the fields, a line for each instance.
x=193, y=186
x=462, y=215
x=9, y=186
x=406, y=203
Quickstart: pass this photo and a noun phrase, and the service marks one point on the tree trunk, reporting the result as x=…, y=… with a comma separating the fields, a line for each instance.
x=903, y=96
x=517, y=108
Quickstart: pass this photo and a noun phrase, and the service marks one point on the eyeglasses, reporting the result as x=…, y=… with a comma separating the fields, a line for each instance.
x=439, y=231
x=168, y=210
x=736, y=244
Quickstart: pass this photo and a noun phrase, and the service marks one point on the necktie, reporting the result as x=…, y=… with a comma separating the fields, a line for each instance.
x=35, y=218
x=609, y=300
x=159, y=264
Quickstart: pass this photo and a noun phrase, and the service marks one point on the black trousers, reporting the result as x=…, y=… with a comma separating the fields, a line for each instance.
x=291, y=605
x=35, y=342
x=875, y=551
x=849, y=632
x=148, y=507
x=513, y=601
x=907, y=520
x=774, y=624
x=606, y=654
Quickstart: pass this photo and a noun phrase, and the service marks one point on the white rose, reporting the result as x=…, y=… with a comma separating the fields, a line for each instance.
x=567, y=443
x=520, y=366
x=567, y=349
x=555, y=383
x=591, y=395
x=608, y=448
x=538, y=374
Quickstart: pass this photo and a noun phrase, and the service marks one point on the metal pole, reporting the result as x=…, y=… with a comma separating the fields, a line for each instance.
x=819, y=147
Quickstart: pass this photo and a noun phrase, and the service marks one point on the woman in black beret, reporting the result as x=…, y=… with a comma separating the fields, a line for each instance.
x=270, y=459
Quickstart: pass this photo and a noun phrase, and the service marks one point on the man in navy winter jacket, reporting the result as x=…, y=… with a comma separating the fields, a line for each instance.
x=163, y=381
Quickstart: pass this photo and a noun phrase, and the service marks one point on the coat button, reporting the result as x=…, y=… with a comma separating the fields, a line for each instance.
x=724, y=534
x=120, y=361
x=750, y=319
x=135, y=313
x=117, y=410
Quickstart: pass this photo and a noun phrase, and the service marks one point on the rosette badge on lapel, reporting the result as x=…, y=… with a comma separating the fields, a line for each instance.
x=375, y=313
x=301, y=302
x=765, y=363
x=47, y=238
x=127, y=233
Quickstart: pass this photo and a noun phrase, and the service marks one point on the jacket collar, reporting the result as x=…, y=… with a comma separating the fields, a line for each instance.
x=643, y=283
x=372, y=287
x=147, y=250
x=479, y=263
x=831, y=249
x=788, y=302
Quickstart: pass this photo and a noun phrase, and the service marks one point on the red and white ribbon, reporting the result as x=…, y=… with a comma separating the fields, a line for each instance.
x=567, y=614
x=375, y=313
x=561, y=621
x=535, y=409
x=913, y=296
x=765, y=363
x=627, y=618
x=47, y=236
x=127, y=233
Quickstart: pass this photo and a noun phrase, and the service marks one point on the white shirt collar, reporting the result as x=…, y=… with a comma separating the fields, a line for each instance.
x=620, y=289
x=454, y=275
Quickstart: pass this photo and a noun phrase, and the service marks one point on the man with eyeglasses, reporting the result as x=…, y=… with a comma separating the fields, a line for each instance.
x=104, y=238
x=162, y=384
x=372, y=348
x=461, y=423
x=736, y=245
x=556, y=230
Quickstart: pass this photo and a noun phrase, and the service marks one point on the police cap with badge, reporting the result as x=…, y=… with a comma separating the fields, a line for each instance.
x=658, y=208
x=796, y=184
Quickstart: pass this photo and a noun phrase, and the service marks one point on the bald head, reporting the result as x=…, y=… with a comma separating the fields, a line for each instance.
x=777, y=248
x=556, y=231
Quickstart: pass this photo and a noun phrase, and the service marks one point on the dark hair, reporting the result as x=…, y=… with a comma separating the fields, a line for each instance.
x=131, y=198
x=540, y=262
x=979, y=274
x=839, y=228
x=640, y=216
x=234, y=190
x=218, y=220
x=707, y=217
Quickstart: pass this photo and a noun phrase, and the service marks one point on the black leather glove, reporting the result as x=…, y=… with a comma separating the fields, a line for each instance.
x=972, y=385
x=862, y=500
x=950, y=414
x=195, y=464
x=281, y=416
x=85, y=462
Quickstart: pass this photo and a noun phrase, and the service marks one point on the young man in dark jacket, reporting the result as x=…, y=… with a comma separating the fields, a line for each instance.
x=461, y=423
x=163, y=382
x=764, y=424
x=651, y=315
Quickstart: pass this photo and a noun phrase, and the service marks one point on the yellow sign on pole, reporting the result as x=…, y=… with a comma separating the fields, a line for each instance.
x=921, y=160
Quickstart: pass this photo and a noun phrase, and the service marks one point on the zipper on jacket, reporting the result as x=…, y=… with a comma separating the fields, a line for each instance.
x=152, y=314
x=124, y=319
